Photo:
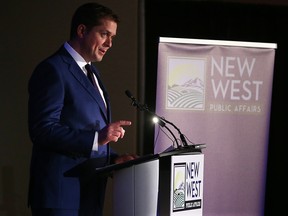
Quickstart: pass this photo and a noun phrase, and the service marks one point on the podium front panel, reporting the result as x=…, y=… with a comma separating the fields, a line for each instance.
x=146, y=188
x=123, y=192
x=135, y=190
x=171, y=185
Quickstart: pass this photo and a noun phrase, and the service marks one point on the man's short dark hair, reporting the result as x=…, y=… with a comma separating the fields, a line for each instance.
x=90, y=15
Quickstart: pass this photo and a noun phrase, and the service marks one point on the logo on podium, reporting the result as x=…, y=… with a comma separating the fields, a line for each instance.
x=187, y=184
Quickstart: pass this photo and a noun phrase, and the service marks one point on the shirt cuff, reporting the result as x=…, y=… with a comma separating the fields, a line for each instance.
x=95, y=142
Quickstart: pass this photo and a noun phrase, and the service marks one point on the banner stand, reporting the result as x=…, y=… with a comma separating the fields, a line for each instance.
x=219, y=93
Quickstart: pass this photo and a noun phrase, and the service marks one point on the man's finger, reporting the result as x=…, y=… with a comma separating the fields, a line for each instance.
x=124, y=123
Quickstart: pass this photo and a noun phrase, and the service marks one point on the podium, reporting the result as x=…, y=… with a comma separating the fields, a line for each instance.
x=166, y=184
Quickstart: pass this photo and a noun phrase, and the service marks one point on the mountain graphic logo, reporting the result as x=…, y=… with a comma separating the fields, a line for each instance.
x=186, y=86
x=190, y=95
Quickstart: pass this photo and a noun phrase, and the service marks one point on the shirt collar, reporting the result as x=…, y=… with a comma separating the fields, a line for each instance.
x=76, y=56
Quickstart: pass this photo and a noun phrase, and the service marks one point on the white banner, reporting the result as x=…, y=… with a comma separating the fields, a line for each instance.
x=219, y=93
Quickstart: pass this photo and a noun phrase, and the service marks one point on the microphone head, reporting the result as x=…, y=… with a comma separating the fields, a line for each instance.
x=129, y=94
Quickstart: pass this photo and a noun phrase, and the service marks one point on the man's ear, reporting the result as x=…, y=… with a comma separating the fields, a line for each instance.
x=81, y=30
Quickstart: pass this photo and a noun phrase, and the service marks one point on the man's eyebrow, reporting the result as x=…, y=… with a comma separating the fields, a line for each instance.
x=109, y=33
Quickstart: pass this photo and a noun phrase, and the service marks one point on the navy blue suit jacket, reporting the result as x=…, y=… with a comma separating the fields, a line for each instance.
x=63, y=112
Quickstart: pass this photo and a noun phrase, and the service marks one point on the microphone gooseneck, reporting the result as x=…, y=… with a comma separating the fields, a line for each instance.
x=161, y=122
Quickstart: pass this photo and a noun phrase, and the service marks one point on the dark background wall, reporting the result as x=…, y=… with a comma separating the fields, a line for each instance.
x=236, y=22
x=30, y=31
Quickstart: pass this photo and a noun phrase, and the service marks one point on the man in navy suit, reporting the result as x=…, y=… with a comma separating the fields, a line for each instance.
x=69, y=119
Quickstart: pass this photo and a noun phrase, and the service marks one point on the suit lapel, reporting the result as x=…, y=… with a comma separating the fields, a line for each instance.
x=80, y=76
x=105, y=93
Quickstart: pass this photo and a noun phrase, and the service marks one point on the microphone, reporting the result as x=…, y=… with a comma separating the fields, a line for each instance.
x=135, y=102
x=129, y=94
x=161, y=122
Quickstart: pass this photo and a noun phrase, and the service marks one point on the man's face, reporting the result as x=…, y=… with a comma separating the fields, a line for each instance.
x=98, y=40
